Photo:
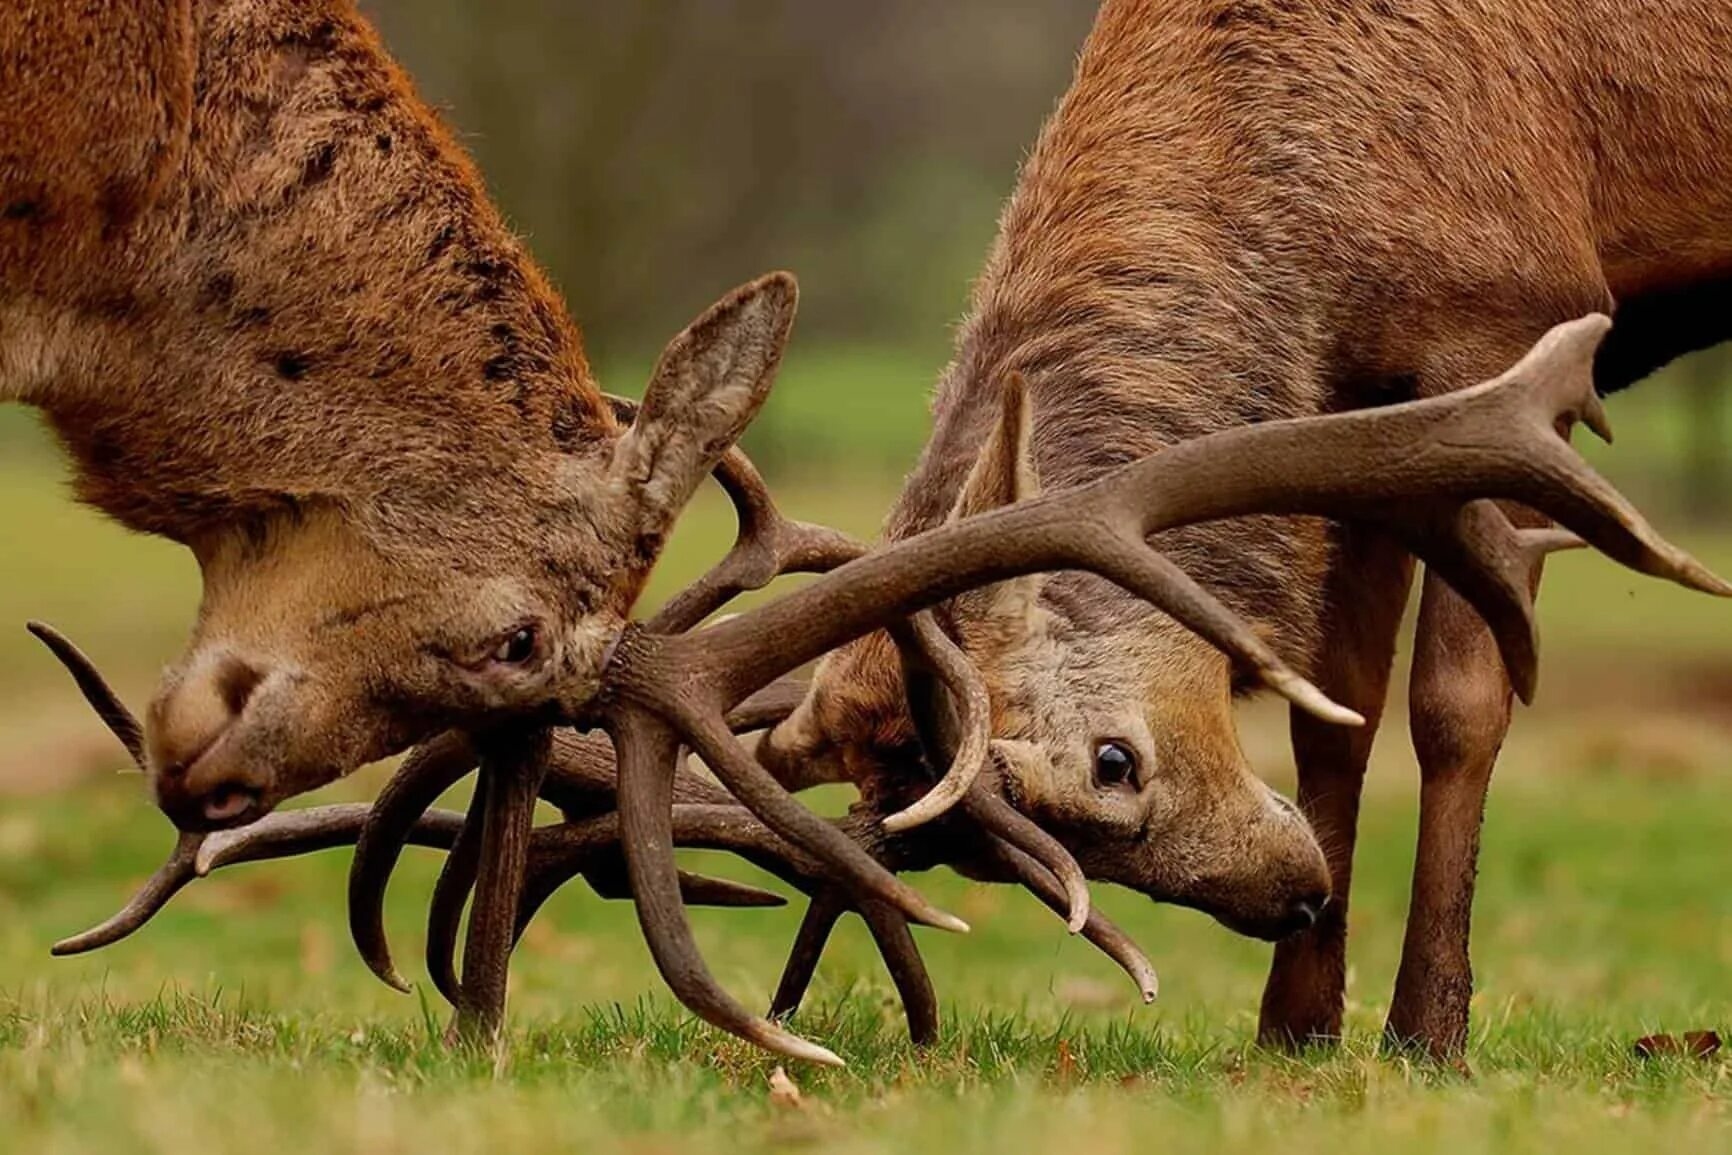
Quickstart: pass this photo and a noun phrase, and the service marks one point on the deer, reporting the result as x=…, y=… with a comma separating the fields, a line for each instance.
x=1252, y=210
x=583, y=537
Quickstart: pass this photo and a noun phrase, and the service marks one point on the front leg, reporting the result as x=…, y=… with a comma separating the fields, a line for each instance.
x=1366, y=592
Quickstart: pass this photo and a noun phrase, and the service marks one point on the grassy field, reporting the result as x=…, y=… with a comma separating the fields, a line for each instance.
x=242, y=1021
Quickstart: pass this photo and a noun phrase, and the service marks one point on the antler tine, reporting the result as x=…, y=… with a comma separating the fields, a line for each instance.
x=895, y=944
x=450, y=894
x=120, y=721
x=768, y=544
x=907, y=969
x=284, y=834
x=1098, y=930
x=741, y=773
x=930, y=659
x=429, y=771
x=561, y=852
x=168, y=880
x=648, y=750
x=822, y=914
x=953, y=710
x=513, y=765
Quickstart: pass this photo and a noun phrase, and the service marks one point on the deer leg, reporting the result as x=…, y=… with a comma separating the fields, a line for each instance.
x=1367, y=590
x=1459, y=703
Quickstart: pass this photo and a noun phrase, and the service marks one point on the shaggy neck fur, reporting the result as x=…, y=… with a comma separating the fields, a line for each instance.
x=251, y=270
x=1253, y=209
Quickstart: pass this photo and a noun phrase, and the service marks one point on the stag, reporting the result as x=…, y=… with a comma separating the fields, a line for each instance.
x=1250, y=210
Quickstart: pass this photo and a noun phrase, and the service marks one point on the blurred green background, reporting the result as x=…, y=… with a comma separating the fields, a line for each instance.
x=656, y=152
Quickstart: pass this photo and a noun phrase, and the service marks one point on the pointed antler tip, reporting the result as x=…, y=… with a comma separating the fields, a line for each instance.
x=1310, y=699
x=939, y=920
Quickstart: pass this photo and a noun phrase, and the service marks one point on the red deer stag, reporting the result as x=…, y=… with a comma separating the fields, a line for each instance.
x=1246, y=210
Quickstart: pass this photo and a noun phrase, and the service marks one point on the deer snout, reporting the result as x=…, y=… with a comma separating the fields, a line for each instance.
x=195, y=786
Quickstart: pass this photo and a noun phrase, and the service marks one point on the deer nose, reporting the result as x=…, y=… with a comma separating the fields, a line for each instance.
x=188, y=721
x=1303, y=913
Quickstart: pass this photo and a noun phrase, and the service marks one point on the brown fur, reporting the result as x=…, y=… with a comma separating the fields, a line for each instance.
x=267, y=305
x=1251, y=209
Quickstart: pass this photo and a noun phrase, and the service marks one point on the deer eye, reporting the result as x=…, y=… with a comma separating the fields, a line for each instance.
x=516, y=648
x=1115, y=766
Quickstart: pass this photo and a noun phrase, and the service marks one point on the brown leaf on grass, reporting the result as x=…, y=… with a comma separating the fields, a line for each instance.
x=1695, y=1044
x=783, y=1091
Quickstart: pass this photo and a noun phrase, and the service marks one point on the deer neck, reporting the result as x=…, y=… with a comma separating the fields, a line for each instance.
x=319, y=301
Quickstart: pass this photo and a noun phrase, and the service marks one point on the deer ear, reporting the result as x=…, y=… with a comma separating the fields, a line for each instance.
x=1003, y=473
x=709, y=384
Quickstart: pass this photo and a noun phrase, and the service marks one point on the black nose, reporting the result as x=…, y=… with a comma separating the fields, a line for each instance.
x=1303, y=914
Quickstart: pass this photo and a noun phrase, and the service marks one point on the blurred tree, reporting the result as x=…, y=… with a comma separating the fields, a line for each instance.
x=658, y=151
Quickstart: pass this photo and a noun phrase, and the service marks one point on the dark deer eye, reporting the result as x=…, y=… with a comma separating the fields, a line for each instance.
x=517, y=648
x=1115, y=766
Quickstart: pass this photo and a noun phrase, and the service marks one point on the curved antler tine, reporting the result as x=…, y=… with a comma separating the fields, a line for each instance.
x=170, y=877
x=764, y=797
x=947, y=722
x=966, y=724
x=1157, y=579
x=1494, y=565
x=96, y=690
x=647, y=754
x=1099, y=930
x=1002, y=820
x=429, y=771
x=450, y=894
x=1553, y=388
x=907, y=970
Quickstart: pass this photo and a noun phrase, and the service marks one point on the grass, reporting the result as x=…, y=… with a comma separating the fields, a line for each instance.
x=241, y=1020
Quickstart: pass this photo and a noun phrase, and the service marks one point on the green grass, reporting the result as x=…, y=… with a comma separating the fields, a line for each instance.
x=241, y=1020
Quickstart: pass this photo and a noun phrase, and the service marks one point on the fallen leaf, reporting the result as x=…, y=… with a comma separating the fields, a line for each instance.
x=783, y=1091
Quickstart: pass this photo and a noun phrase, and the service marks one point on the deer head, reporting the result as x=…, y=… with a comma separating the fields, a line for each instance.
x=334, y=632
x=1112, y=727
x=269, y=308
